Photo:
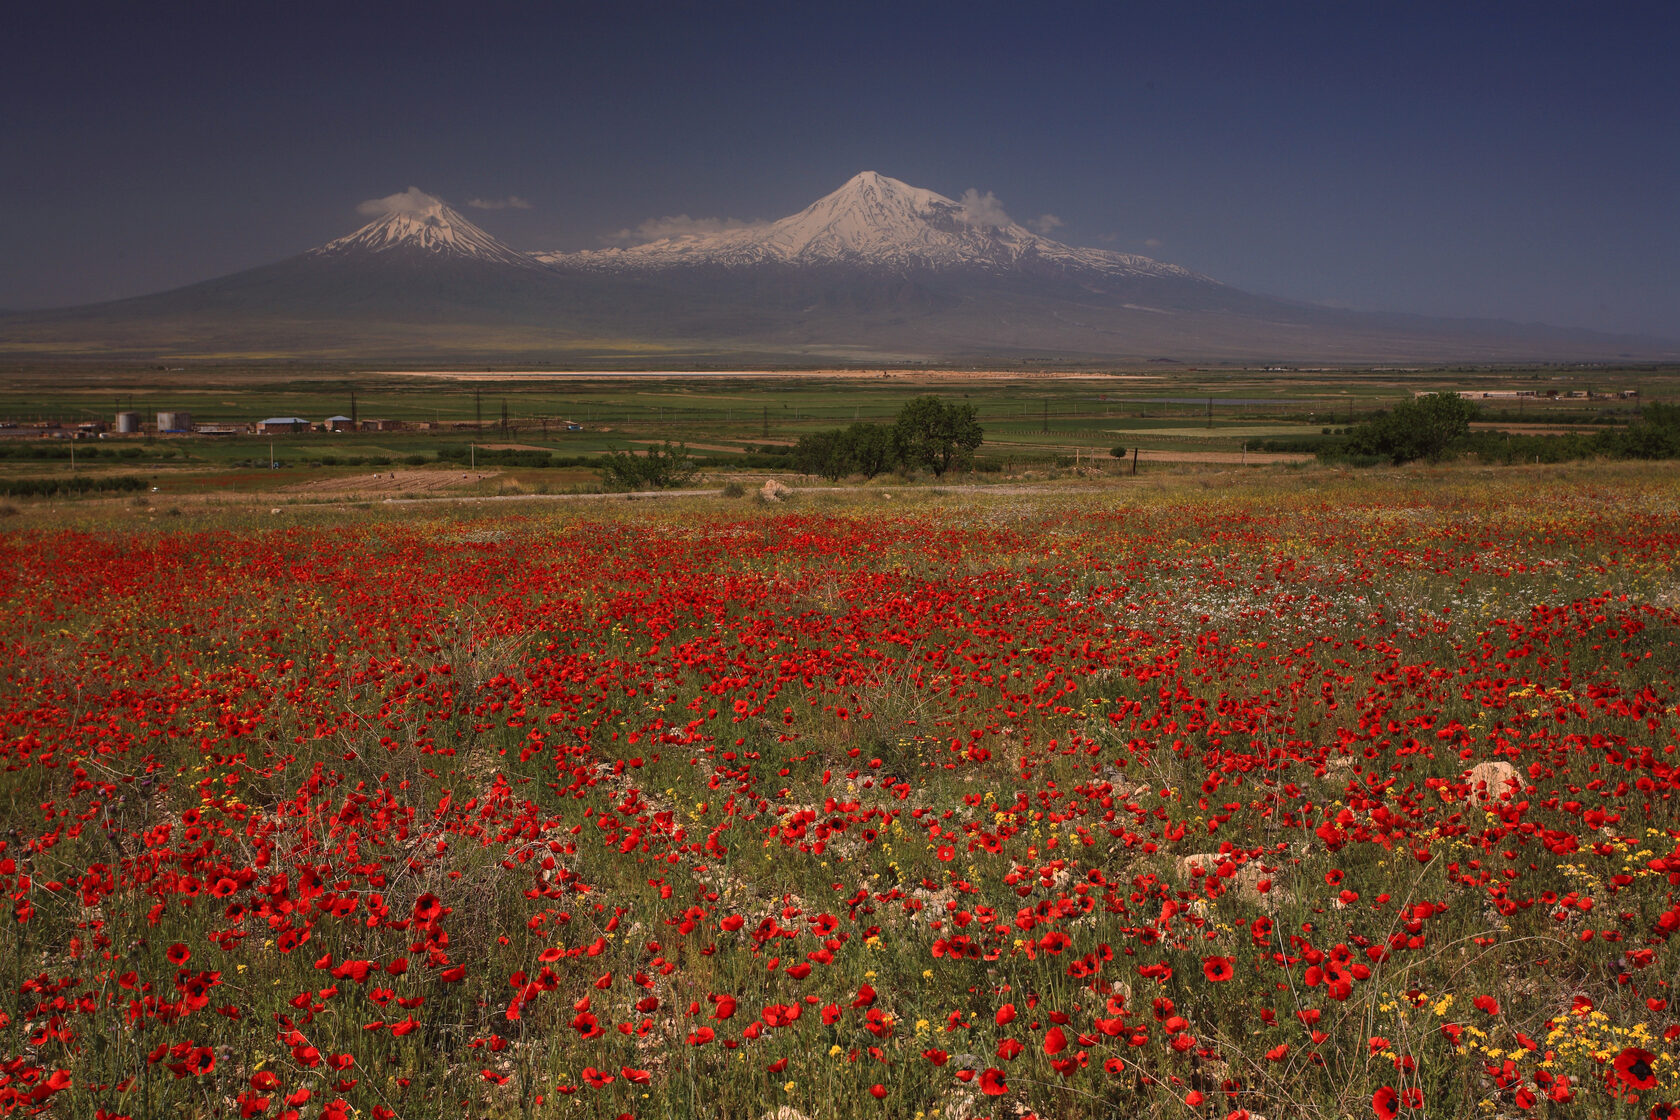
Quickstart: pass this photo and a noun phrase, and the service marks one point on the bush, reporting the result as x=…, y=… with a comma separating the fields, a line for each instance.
x=1117, y=451
x=1423, y=428
x=863, y=448
x=658, y=468
x=734, y=490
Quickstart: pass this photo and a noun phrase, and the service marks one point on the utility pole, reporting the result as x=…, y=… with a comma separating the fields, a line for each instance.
x=472, y=456
x=1210, y=412
x=765, y=432
x=1046, y=428
x=478, y=409
x=353, y=423
x=1134, y=460
x=504, y=418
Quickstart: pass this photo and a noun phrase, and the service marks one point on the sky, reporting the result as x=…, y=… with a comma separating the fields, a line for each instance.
x=1506, y=160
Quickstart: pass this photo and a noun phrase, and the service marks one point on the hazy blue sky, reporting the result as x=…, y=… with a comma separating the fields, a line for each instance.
x=1516, y=160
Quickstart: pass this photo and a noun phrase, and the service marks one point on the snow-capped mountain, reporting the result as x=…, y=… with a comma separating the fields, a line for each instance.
x=878, y=271
x=419, y=223
x=877, y=223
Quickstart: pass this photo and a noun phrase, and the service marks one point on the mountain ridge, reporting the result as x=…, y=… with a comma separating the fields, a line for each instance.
x=876, y=270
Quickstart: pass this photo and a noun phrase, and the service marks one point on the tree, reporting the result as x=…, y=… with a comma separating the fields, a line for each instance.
x=936, y=435
x=657, y=468
x=869, y=447
x=823, y=453
x=1422, y=428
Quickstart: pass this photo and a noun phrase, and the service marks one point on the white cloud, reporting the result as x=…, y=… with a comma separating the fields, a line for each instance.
x=983, y=209
x=511, y=202
x=1046, y=224
x=676, y=225
x=1152, y=243
x=410, y=201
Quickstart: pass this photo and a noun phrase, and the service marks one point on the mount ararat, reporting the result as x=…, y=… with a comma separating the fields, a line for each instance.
x=877, y=272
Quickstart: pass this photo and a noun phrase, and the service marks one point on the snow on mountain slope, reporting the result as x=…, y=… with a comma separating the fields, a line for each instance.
x=420, y=223
x=877, y=223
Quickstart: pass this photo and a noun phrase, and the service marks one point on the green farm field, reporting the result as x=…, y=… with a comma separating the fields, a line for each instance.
x=1033, y=420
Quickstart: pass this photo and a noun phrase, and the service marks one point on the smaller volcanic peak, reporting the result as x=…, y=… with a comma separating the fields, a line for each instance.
x=415, y=223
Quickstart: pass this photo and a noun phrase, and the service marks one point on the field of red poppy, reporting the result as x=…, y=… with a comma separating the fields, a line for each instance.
x=1293, y=798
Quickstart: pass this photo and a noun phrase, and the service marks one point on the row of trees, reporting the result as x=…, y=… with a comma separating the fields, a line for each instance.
x=1437, y=425
x=929, y=434
x=73, y=484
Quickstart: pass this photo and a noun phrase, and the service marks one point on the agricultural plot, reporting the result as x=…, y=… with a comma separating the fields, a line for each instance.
x=1032, y=419
x=1306, y=798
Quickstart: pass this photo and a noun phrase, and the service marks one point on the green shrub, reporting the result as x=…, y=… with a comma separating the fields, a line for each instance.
x=658, y=468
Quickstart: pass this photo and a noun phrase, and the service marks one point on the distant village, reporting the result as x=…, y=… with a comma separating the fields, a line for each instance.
x=1540, y=394
x=181, y=423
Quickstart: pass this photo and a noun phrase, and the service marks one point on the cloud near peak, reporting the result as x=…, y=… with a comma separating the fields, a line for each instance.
x=983, y=209
x=986, y=210
x=411, y=201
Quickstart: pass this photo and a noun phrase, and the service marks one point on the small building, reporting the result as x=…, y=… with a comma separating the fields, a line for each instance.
x=128, y=423
x=282, y=425
x=174, y=422
x=339, y=424
x=382, y=425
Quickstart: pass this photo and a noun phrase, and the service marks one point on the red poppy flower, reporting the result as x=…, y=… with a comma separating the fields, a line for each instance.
x=1633, y=1068
x=992, y=1083
x=1218, y=969
x=1385, y=1102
